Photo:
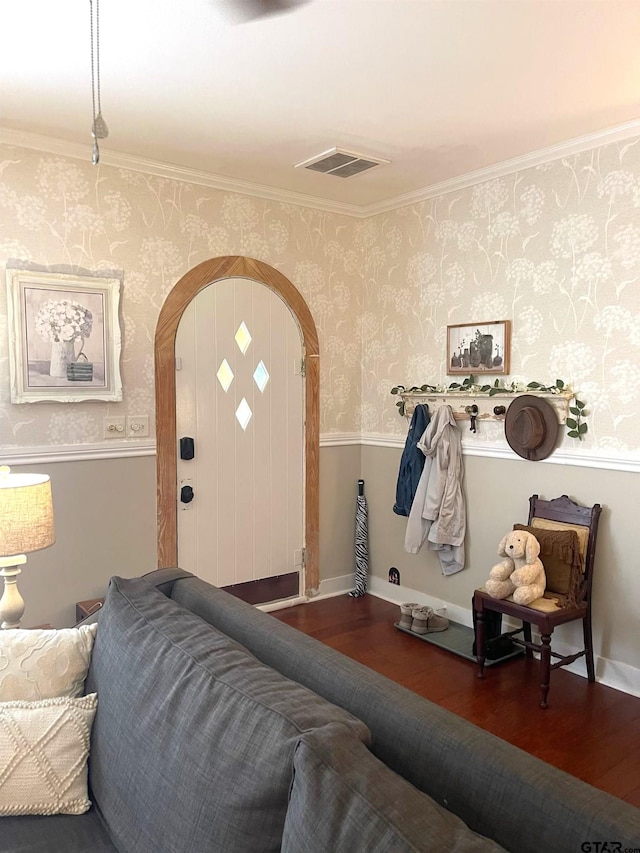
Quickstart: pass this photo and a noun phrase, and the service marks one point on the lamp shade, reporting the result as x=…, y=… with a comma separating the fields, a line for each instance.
x=26, y=513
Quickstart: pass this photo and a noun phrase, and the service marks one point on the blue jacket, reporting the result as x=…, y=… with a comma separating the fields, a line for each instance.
x=412, y=461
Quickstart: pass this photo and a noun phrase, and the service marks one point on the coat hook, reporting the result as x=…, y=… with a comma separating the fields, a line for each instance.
x=472, y=411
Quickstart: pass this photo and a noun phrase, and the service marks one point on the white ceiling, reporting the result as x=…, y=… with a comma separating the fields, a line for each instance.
x=439, y=87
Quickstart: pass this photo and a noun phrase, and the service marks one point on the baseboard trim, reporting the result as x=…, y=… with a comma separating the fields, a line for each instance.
x=400, y=594
x=616, y=674
x=611, y=673
x=330, y=587
x=619, y=675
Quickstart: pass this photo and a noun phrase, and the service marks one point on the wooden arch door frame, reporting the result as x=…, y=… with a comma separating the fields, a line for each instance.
x=202, y=275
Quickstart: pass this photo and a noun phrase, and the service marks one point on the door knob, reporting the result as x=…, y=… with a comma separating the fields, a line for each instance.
x=186, y=494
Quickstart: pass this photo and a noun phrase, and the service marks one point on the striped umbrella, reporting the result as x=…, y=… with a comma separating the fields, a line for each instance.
x=361, y=543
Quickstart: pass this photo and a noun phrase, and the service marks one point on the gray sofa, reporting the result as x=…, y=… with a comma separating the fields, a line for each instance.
x=201, y=745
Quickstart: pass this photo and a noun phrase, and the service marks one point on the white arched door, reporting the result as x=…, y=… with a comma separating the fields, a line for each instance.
x=240, y=397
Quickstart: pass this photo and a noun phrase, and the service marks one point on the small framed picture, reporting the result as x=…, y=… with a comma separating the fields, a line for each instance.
x=479, y=347
x=64, y=337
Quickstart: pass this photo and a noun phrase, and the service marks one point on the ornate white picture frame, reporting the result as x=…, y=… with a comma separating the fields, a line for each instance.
x=64, y=337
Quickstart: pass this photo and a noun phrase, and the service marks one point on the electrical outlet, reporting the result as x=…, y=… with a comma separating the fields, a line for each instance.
x=114, y=427
x=137, y=426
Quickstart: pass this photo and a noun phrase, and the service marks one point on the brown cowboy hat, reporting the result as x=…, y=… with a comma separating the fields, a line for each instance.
x=531, y=427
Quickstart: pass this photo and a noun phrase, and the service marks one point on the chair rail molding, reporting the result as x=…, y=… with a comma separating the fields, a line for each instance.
x=42, y=455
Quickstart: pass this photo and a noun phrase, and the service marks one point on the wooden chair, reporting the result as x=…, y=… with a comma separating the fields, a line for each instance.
x=558, y=514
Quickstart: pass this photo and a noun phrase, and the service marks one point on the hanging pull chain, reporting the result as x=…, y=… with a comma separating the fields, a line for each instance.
x=99, y=129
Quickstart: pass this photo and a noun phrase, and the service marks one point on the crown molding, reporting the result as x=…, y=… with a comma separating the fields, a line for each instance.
x=25, y=139
x=508, y=167
x=120, y=160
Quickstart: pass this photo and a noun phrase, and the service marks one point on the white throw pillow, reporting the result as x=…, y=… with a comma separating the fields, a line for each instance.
x=44, y=664
x=44, y=747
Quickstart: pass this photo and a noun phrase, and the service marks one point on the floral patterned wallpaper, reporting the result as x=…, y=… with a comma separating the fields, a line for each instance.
x=555, y=249
x=61, y=211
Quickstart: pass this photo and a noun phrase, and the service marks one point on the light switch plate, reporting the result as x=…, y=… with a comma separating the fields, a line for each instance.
x=114, y=427
x=137, y=426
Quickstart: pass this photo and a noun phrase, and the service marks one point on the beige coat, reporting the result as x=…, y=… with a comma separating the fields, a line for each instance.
x=438, y=511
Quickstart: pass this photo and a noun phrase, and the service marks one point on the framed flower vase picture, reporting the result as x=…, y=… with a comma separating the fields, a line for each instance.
x=479, y=348
x=64, y=337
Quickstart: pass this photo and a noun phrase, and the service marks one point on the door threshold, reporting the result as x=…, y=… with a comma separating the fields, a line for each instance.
x=267, y=590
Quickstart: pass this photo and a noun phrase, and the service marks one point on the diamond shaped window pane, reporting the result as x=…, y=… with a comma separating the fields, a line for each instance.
x=243, y=414
x=243, y=338
x=261, y=376
x=225, y=375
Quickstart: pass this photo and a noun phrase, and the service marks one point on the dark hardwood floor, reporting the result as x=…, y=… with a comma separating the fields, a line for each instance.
x=588, y=730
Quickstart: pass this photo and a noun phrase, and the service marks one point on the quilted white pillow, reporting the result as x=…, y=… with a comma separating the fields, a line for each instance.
x=44, y=664
x=44, y=747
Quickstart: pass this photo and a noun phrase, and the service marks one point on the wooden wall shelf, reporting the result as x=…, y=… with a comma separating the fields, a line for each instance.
x=460, y=400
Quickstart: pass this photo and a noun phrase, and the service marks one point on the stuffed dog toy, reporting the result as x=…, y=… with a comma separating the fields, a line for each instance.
x=521, y=573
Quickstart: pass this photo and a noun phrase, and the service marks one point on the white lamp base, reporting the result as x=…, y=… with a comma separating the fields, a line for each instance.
x=11, y=603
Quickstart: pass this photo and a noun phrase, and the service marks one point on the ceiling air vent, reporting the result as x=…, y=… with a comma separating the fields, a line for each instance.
x=341, y=163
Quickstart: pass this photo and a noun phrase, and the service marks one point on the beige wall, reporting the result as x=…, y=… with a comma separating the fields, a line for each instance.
x=62, y=211
x=497, y=495
x=555, y=248
x=106, y=525
x=105, y=521
x=340, y=469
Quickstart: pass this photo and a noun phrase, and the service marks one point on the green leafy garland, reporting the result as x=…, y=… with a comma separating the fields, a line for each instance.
x=576, y=426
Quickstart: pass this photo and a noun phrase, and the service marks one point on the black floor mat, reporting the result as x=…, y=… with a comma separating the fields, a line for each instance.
x=459, y=640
